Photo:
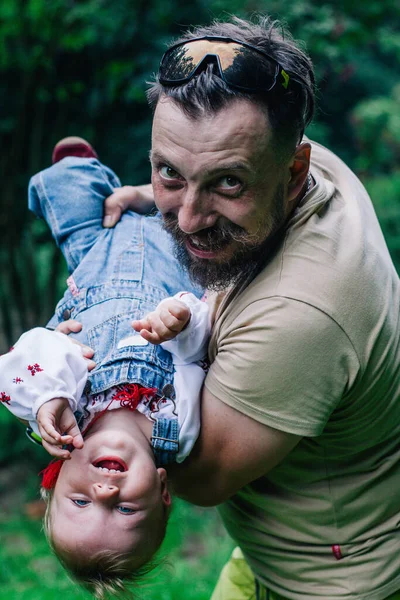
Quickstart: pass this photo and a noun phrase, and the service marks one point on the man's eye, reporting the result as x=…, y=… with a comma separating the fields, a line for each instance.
x=229, y=182
x=125, y=510
x=79, y=502
x=168, y=172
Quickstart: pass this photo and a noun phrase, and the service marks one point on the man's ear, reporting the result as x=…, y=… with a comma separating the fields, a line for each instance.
x=165, y=495
x=298, y=170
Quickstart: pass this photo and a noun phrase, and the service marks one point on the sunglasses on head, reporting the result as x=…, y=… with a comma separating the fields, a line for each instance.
x=240, y=65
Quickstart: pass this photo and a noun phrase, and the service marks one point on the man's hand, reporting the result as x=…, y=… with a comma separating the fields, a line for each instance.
x=58, y=427
x=139, y=198
x=170, y=318
x=72, y=326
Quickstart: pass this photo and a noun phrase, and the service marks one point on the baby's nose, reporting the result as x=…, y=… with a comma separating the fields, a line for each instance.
x=105, y=490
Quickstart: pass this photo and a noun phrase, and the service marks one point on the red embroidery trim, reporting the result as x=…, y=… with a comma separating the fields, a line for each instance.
x=34, y=369
x=5, y=398
x=131, y=394
x=337, y=553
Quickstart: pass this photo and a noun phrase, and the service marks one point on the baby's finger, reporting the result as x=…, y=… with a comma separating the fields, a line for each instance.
x=90, y=364
x=49, y=433
x=77, y=441
x=86, y=351
x=180, y=311
x=66, y=439
x=56, y=451
x=170, y=321
x=69, y=326
x=49, y=439
x=150, y=336
x=160, y=328
x=140, y=324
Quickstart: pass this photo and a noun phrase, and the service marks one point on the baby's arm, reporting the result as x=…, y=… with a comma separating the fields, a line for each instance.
x=181, y=325
x=43, y=367
x=169, y=318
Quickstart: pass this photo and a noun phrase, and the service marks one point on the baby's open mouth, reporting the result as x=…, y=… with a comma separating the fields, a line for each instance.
x=111, y=464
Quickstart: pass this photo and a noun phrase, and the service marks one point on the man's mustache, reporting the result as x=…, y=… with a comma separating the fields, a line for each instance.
x=214, y=238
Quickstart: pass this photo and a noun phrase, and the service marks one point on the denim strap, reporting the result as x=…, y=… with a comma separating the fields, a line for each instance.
x=165, y=441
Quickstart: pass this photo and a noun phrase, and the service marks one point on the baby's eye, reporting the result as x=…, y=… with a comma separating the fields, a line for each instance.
x=125, y=510
x=80, y=502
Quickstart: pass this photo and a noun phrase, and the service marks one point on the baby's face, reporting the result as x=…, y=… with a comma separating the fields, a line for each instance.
x=109, y=496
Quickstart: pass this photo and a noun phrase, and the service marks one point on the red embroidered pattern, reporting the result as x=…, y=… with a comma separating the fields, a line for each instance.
x=5, y=398
x=18, y=380
x=34, y=369
x=131, y=394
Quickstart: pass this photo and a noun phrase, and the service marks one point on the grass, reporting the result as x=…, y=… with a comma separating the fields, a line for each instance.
x=195, y=549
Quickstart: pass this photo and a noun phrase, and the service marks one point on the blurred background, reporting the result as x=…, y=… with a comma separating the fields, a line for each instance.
x=79, y=67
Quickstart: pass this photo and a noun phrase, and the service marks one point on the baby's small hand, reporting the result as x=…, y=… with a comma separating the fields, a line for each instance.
x=58, y=427
x=170, y=318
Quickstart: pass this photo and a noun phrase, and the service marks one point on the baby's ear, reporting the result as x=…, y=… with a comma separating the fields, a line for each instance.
x=165, y=495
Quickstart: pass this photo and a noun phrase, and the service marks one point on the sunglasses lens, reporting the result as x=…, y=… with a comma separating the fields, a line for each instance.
x=249, y=70
x=178, y=63
x=239, y=65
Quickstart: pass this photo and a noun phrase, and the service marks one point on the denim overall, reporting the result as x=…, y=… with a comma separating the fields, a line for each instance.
x=117, y=275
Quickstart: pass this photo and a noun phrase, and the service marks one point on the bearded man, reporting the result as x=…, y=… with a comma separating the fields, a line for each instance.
x=300, y=409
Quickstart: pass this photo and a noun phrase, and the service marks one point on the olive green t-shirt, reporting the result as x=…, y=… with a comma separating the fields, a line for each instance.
x=311, y=347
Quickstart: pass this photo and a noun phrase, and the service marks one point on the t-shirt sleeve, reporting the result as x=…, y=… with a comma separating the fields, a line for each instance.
x=283, y=363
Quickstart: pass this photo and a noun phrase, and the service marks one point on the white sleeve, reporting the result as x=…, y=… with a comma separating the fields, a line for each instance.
x=191, y=344
x=188, y=349
x=188, y=383
x=41, y=366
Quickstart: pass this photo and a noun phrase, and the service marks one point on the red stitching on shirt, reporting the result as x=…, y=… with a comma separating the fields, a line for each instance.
x=34, y=369
x=5, y=398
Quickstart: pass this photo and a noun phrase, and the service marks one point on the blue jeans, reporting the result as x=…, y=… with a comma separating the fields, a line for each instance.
x=117, y=275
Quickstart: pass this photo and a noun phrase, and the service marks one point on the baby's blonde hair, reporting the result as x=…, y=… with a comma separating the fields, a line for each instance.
x=105, y=574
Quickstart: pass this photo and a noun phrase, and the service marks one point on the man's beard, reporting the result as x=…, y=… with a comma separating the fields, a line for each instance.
x=251, y=251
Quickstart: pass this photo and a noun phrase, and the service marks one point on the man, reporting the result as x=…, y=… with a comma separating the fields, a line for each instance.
x=301, y=411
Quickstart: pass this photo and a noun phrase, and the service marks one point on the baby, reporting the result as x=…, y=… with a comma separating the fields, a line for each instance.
x=118, y=427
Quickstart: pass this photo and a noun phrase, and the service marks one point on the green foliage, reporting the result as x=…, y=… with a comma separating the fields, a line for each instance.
x=377, y=121
x=385, y=191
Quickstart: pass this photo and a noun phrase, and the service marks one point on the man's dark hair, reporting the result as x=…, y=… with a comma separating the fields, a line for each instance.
x=289, y=111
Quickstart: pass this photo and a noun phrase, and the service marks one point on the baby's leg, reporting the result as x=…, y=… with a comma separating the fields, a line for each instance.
x=69, y=195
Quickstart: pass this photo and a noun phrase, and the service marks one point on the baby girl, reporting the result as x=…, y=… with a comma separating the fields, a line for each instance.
x=115, y=429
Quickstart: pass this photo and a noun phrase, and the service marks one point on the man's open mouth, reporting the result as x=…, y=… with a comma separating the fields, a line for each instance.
x=111, y=464
x=204, y=250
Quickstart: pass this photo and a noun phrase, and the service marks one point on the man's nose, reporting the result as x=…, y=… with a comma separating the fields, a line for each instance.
x=105, y=491
x=195, y=212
